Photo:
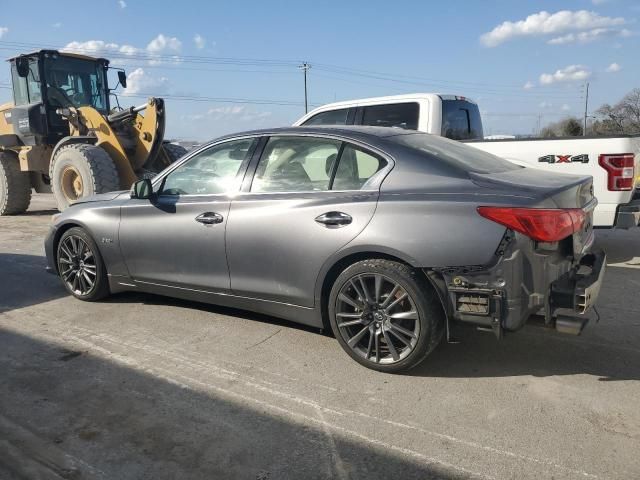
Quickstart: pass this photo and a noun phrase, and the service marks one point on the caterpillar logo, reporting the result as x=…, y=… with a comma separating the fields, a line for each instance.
x=583, y=158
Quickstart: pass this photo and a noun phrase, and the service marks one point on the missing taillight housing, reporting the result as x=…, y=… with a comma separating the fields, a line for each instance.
x=620, y=169
x=540, y=224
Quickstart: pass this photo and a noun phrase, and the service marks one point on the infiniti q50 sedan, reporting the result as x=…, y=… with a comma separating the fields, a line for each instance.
x=386, y=236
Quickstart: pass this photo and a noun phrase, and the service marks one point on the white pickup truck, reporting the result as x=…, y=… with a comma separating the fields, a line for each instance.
x=613, y=162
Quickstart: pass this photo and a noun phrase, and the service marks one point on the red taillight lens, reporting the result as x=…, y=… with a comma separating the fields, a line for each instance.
x=620, y=170
x=541, y=224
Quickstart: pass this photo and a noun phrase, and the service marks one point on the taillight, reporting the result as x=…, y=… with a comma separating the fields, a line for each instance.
x=541, y=224
x=620, y=170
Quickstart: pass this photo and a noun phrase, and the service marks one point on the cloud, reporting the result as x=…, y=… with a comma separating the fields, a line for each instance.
x=162, y=44
x=231, y=113
x=545, y=23
x=545, y=104
x=571, y=73
x=156, y=47
x=589, y=36
x=599, y=2
x=199, y=41
x=614, y=67
x=57, y=25
x=529, y=85
x=3, y=31
x=565, y=108
x=122, y=4
x=140, y=81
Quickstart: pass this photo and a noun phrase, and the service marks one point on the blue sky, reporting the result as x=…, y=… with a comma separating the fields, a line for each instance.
x=522, y=61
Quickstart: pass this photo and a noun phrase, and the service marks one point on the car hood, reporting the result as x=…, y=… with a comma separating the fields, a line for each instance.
x=101, y=197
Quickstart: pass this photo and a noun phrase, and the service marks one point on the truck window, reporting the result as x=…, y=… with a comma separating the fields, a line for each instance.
x=20, y=94
x=461, y=120
x=332, y=117
x=402, y=115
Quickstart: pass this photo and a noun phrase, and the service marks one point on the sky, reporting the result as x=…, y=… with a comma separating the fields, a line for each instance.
x=224, y=67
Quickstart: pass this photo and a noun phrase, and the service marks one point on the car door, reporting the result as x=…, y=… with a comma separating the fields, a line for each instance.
x=309, y=197
x=178, y=237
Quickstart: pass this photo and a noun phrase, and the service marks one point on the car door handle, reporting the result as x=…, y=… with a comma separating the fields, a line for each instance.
x=334, y=219
x=209, y=218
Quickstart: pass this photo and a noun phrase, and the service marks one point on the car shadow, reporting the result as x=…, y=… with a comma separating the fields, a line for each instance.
x=25, y=282
x=86, y=413
x=533, y=351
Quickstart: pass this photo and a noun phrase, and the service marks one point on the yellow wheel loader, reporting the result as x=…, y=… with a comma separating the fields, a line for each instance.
x=60, y=135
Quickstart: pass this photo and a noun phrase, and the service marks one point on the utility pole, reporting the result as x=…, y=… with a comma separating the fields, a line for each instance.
x=305, y=66
x=586, y=108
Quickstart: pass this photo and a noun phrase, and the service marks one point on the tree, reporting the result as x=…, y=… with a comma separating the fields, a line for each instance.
x=621, y=118
x=568, y=127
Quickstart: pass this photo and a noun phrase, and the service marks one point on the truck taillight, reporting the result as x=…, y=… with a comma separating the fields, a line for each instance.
x=620, y=170
x=541, y=224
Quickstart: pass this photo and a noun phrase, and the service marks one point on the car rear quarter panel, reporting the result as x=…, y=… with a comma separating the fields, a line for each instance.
x=431, y=230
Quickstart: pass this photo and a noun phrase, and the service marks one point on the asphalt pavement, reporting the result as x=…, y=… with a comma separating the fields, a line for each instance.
x=141, y=386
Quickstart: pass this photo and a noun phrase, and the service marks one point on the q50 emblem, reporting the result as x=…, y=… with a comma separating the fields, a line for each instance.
x=583, y=158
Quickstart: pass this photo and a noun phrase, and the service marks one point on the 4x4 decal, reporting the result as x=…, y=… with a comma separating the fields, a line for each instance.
x=583, y=158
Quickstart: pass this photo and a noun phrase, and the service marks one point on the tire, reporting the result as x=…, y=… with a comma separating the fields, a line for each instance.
x=173, y=151
x=15, y=185
x=88, y=164
x=414, y=325
x=76, y=274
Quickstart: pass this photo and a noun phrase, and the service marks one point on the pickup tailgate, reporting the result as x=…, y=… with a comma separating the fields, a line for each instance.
x=547, y=190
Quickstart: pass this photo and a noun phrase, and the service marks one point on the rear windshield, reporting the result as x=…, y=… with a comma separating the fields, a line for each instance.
x=454, y=153
x=461, y=120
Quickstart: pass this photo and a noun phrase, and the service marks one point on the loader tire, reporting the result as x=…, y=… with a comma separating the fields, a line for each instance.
x=79, y=170
x=15, y=185
x=173, y=151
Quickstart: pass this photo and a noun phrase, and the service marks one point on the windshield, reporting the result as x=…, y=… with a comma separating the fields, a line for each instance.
x=75, y=82
x=459, y=155
x=461, y=120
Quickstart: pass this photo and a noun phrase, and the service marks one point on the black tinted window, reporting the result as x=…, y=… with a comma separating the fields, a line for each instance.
x=332, y=117
x=461, y=120
x=459, y=155
x=402, y=115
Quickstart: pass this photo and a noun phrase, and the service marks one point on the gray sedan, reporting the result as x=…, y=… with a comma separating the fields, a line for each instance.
x=385, y=236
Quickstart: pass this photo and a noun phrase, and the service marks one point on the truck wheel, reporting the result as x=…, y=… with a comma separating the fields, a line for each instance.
x=80, y=170
x=15, y=185
x=385, y=315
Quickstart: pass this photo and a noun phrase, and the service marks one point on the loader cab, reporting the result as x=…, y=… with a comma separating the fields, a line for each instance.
x=48, y=80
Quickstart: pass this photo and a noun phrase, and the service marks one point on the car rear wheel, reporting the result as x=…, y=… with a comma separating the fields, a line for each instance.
x=80, y=265
x=385, y=315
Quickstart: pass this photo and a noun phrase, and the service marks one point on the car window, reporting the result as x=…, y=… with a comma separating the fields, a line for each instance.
x=456, y=154
x=355, y=167
x=332, y=117
x=211, y=171
x=295, y=164
x=401, y=115
x=461, y=120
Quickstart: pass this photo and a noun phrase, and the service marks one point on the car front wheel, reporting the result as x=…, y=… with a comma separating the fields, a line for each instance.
x=385, y=315
x=80, y=265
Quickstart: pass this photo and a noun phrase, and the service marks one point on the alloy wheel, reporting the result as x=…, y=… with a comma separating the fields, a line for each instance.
x=77, y=265
x=377, y=318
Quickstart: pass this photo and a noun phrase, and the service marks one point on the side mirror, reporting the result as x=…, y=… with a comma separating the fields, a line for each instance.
x=142, y=189
x=122, y=78
x=22, y=66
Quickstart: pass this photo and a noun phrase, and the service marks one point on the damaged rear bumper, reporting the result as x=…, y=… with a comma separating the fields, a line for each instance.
x=526, y=279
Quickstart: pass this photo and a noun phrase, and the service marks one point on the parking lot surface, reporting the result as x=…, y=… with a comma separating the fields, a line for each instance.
x=142, y=386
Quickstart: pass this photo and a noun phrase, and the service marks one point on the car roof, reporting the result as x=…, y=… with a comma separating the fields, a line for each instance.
x=351, y=131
